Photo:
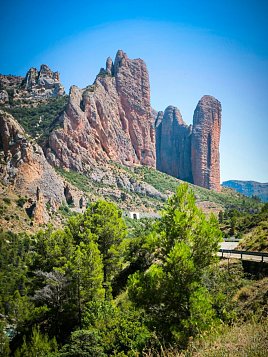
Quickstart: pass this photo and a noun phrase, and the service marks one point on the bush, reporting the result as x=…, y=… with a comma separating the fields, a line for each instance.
x=7, y=200
x=38, y=121
x=21, y=201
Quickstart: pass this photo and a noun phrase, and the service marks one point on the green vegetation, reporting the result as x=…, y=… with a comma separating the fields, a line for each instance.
x=103, y=286
x=249, y=225
x=77, y=179
x=159, y=180
x=39, y=120
x=21, y=201
x=256, y=239
x=7, y=200
x=108, y=186
x=228, y=199
x=248, y=339
x=183, y=245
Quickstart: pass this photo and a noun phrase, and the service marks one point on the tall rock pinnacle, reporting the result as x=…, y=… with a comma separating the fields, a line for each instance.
x=205, y=143
x=191, y=153
x=173, y=145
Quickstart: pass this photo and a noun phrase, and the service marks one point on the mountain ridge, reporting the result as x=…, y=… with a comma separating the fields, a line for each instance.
x=93, y=130
x=249, y=188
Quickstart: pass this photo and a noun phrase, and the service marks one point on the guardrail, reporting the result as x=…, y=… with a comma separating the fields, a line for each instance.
x=231, y=239
x=243, y=252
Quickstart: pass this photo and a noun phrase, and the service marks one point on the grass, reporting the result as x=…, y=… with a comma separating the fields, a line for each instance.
x=249, y=339
x=159, y=180
x=251, y=300
x=77, y=179
x=256, y=239
x=166, y=184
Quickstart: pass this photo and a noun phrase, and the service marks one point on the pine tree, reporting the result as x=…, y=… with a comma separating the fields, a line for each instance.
x=183, y=245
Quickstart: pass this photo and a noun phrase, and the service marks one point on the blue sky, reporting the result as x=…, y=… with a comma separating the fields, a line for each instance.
x=191, y=48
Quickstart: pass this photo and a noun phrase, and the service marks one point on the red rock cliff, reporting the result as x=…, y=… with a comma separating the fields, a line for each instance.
x=24, y=168
x=205, y=143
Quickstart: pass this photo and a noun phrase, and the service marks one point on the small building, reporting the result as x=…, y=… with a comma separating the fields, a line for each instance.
x=134, y=215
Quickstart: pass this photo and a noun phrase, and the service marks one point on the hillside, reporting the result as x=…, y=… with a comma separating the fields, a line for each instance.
x=141, y=189
x=145, y=189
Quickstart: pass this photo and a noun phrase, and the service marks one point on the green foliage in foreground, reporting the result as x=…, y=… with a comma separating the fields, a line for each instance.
x=92, y=289
x=183, y=244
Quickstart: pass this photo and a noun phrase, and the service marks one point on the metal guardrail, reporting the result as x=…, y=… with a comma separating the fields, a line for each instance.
x=243, y=252
x=231, y=239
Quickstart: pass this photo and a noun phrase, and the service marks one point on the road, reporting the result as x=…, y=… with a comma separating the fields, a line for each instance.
x=229, y=245
x=244, y=256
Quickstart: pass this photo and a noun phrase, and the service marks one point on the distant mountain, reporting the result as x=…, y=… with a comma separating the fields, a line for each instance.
x=249, y=188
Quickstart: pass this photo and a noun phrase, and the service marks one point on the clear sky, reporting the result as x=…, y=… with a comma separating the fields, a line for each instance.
x=191, y=48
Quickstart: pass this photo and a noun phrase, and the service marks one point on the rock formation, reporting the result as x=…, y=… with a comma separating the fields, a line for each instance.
x=173, y=144
x=36, y=86
x=43, y=83
x=205, y=143
x=191, y=153
x=109, y=120
x=24, y=167
x=112, y=120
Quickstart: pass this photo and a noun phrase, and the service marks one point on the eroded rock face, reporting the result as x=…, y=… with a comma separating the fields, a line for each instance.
x=205, y=143
x=43, y=82
x=191, y=153
x=109, y=120
x=37, y=85
x=173, y=144
x=24, y=168
x=3, y=97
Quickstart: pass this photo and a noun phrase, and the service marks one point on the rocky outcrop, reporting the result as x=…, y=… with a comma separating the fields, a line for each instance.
x=10, y=82
x=4, y=99
x=205, y=154
x=112, y=120
x=43, y=83
x=109, y=120
x=173, y=144
x=24, y=168
x=190, y=153
x=249, y=188
x=36, y=86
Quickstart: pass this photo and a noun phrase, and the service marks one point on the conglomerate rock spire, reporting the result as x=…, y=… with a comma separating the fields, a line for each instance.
x=205, y=143
x=109, y=120
x=191, y=153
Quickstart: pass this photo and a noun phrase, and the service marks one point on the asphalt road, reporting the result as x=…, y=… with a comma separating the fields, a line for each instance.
x=229, y=245
x=233, y=245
